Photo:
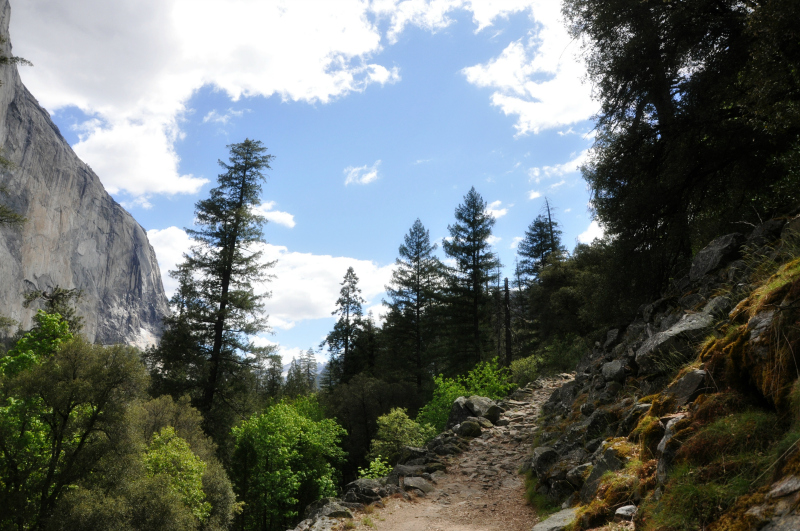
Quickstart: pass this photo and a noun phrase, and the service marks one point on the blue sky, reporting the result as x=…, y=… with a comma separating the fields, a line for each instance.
x=377, y=113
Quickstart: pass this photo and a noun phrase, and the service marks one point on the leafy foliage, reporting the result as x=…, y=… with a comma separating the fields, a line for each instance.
x=171, y=456
x=486, y=379
x=378, y=468
x=283, y=460
x=396, y=430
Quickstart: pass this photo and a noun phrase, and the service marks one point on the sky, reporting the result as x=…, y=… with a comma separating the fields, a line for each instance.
x=378, y=112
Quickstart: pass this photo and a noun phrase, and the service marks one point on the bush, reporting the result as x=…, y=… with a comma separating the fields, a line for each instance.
x=284, y=460
x=486, y=379
x=378, y=468
x=396, y=430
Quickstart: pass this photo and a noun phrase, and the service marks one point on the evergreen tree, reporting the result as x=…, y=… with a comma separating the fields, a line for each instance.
x=475, y=265
x=542, y=239
x=309, y=366
x=341, y=339
x=296, y=382
x=216, y=307
x=413, y=290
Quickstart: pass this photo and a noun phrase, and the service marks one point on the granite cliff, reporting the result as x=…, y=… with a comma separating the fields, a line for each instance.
x=76, y=235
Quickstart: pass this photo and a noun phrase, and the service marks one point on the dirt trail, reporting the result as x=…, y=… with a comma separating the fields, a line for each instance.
x=481, y=490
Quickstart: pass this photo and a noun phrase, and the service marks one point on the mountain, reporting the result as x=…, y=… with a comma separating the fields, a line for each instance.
x=76, y=235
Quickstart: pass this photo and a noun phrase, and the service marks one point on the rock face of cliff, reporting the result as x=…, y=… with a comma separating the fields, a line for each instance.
x=76, y=235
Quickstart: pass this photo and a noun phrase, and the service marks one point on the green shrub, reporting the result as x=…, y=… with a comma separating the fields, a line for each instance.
x=169, y=455
x=525, y=370
x=283, y=460
x=486, y=379
x=396, y=430
x=378, y=468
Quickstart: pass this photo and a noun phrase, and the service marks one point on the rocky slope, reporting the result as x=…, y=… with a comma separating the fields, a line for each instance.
x=689, y=417
x=76, y=235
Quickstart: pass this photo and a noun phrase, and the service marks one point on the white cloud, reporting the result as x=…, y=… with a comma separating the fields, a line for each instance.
x=557, y=170
x=538, y=79
x=593, y=231
x=133, y=65
x=169, y=245
x=492, y=239
x=305, y=286
x=361, y=174
x=559, y=184
x=567, y=210
x=494, y=210
x=534, y=194
x=515, y=242
x=276, y=216
x=215, y=117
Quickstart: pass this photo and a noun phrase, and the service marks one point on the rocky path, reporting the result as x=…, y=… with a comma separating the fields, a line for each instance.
x=482, y=489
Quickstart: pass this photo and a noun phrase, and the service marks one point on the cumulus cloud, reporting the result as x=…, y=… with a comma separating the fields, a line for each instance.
x=515, y=242
x=494, y=210
x=493, y=239
x=155, y=54
x=169, y=244
x=592, y=232
x=276, y=216
x=557, y=170
x=215, y=117
x=534, y=194
x=361, y=174
x=538, y=79
x=305, y=285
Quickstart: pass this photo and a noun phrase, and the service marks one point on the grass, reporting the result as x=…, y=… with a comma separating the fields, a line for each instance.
x=367, y=521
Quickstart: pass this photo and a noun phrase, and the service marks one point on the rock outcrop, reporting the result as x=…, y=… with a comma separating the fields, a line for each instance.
x=76, y=235
x=658, y=407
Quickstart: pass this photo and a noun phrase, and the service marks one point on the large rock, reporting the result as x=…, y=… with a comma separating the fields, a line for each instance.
x=610, y=460
x=483, y=407
x=689, y=387
x=327, y=507
x=542, y=459
x=362, y=491
x=417, y=483
x=614, y=371
x=458, y=412
x=558, y=521
x=76, y=235
x=670, y=348
x=717, y=253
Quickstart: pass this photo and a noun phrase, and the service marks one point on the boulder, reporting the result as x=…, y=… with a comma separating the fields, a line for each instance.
x=766, y=233
x=558, y=521
x=614, y=371
x=484, y=407
x=577, y=476
x=689, y=387
x=405, y=470
x=672, y=346
x=407, y=453
x=417, y=483
x=326, y=507
x=610, y=460
x=631, y=419
x=469, y=428
x=458, y=412
x=717, y=253
x=362, y=491
x=542, y=459
x=625, y=513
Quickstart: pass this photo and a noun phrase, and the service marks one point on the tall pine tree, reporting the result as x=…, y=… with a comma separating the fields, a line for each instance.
x=341, y=340
x=542, y=239
x=416, y=279
x=216, y=306
x=474, y=270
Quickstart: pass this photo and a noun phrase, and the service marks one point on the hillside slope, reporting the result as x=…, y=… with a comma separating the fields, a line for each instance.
x=76, y=235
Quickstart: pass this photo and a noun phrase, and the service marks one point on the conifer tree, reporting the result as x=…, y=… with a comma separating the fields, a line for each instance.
x=475, y=265
x=309, y=366
x=216, y=306
x=417, y=277
x=341, y=339
x=542, y=239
